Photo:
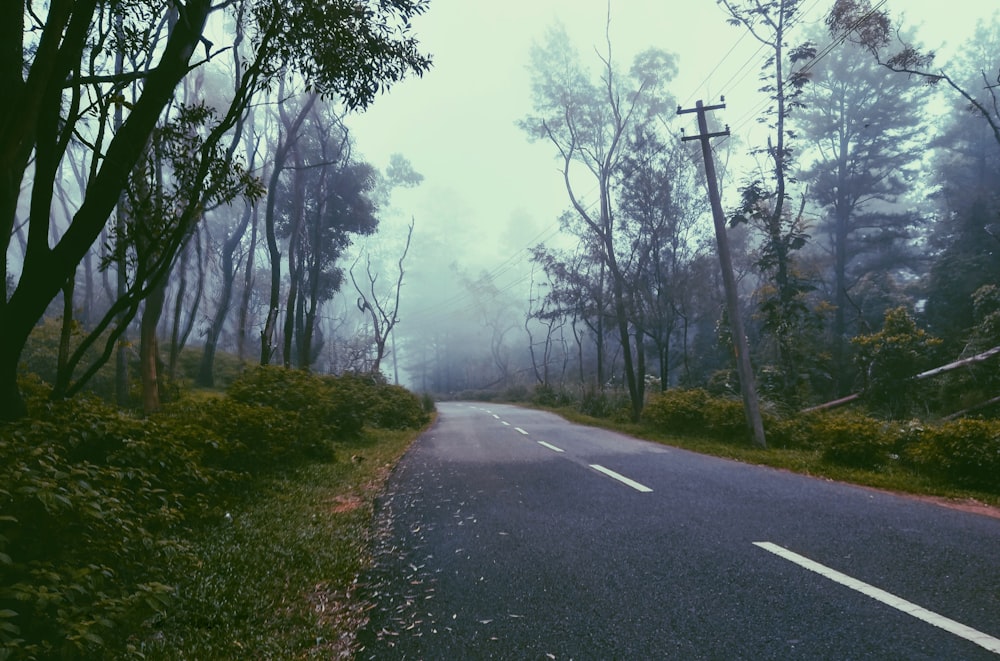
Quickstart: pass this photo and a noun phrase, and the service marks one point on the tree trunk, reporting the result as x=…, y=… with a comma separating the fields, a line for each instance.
x=242, y=331
x=291, y=130
x=230, y=269
x=45, y=270
x=148, y=349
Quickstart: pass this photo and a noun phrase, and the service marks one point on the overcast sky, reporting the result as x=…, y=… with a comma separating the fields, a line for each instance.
x=488, y=190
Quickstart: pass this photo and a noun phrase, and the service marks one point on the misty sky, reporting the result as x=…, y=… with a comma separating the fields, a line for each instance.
x=488, y=191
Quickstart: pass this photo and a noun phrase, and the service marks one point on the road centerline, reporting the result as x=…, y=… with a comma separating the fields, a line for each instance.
x=930, y=617
x=621, y=478
x=520, y=431
x=550, y=446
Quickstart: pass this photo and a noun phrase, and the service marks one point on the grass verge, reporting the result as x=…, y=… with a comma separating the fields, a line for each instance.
x=804, y=461
x=275, y=577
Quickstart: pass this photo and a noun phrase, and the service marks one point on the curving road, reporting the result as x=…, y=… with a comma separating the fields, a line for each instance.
x=510, y=533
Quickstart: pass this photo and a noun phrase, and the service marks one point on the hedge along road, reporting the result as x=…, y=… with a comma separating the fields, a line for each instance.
x=510, y=533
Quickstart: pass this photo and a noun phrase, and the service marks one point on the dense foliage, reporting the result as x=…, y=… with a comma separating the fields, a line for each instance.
x=97, y=504
x=962, y=453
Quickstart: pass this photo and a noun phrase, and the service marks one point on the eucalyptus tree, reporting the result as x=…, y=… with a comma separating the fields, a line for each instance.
x=340, y=207
x=57, y=65
x=861, y=129
x=587, y=121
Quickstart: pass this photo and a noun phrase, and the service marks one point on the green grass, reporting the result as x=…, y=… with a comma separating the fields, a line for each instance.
x=804, y=461
x=278, y=580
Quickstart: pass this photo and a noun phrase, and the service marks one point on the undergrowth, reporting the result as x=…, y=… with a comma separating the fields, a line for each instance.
x=182, y=534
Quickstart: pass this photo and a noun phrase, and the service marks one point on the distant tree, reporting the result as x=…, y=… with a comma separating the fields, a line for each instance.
x=587, y=122
x=874, y=29
x=290, y=129
x=579, y=294
x=382, y=309
x=965, y=238
x=57, y=67
x=339, y=206
x=658, y=197
x=860, y=127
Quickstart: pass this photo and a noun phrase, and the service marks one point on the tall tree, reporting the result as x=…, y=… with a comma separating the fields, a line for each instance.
x=766, y=201
x=53, y=53
x=874, y=28
x=289, y=133
x=859, y=126
x=657, y=187
x=587, y=122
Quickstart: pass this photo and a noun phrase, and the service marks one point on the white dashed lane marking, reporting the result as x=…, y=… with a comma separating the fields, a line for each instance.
x=621, y=478
x=550, y=446
x=521, y=431
x=951, y=626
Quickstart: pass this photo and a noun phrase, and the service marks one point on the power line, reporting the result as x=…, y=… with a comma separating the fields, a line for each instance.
x=754, y=111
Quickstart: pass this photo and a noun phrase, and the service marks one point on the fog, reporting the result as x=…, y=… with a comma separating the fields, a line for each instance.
x=533, y=263
x=490, y=195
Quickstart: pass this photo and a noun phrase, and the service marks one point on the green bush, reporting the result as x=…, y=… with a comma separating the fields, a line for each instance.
x=91, y=504
x=793, y=431
x=96, y=505
x=678, y=411
x=546, y=394
x=853, y=439
x=726, y=419
x=888, y=361
x=693, y=411
x=253, y=438
x=395, y=407
x=964, y=452
x=42, y=348
x=330, y=406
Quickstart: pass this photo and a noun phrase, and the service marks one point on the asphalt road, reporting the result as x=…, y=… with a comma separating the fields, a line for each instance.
x=508, y=533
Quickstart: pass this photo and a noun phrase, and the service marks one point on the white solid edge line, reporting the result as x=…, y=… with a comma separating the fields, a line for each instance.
x=550, y=446
x=951, y=626
x=518, y=429
x=621, y=478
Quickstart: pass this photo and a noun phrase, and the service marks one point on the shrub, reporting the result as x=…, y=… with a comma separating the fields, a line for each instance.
x=395, y=407
x=693, y=411
x=965, y=452
x=726, y=419
x=678, y=411
x=853, y=439
x=254, y=438
x=42, y=348
x=890, y=358
x=548, y=395
x=602, y=404
x=325, y=405
x=91, y=502
x=793, y=431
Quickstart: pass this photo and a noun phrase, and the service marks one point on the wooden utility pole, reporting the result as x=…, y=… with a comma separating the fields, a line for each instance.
x=748, y=387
